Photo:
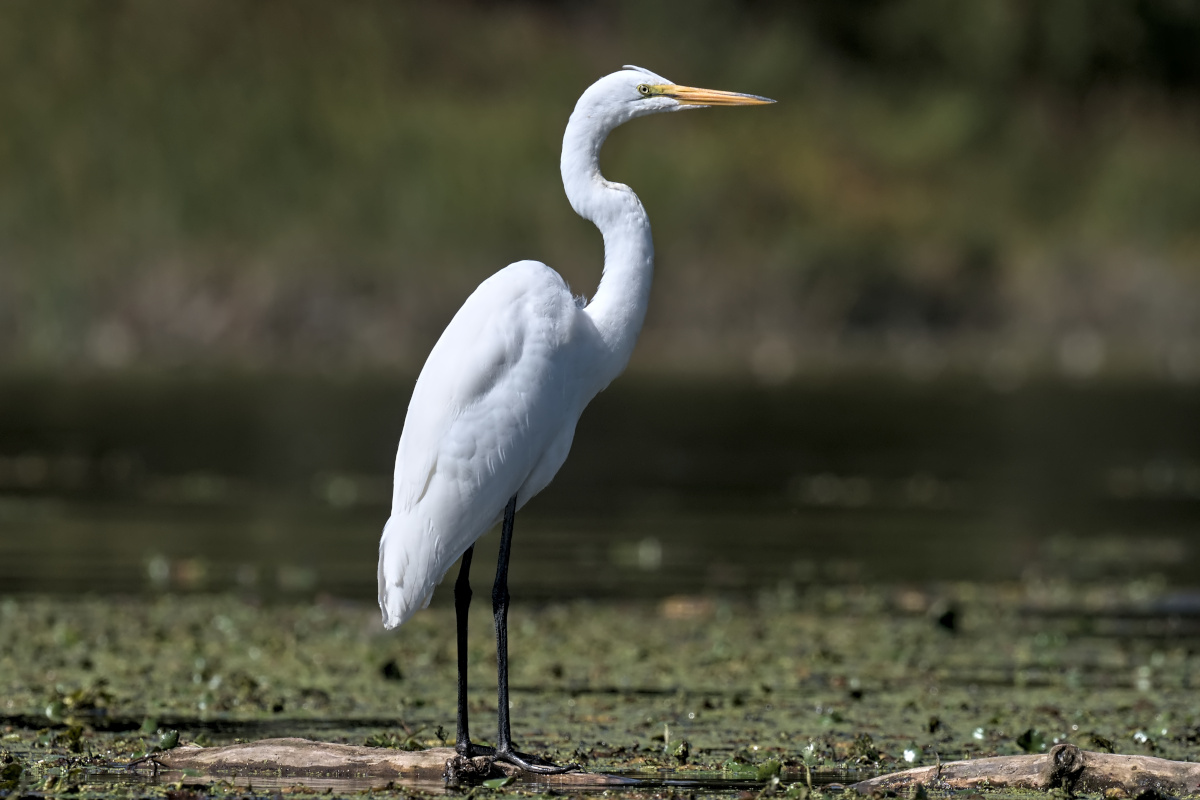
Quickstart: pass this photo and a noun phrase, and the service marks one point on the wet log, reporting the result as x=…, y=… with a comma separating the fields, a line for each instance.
x=303, y=758
x=1065, y=766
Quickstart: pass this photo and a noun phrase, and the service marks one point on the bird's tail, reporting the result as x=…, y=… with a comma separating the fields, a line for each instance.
x=406, y=571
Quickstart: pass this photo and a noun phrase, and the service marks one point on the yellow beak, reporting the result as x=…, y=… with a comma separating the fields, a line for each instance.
x=691, y=96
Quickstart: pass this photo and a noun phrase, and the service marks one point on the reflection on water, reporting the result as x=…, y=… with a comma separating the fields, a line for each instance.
x=281, y=485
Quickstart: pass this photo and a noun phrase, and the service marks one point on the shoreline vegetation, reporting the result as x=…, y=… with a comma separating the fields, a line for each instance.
x=1004, y=188
x=843, y=680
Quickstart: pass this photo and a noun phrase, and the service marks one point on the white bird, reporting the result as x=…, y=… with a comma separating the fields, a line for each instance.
x=495, y=407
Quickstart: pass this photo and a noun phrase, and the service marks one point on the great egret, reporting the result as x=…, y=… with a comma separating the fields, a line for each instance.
x=494, y=410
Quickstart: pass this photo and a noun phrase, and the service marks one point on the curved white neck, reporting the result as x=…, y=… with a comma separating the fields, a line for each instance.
x=618, y=308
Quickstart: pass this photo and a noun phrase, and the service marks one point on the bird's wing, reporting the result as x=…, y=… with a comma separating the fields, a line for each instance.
x=490, y=359
x=481, y=414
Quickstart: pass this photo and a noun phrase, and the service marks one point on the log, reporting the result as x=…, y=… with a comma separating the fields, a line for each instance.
x=1065, y=766
x=303, y=758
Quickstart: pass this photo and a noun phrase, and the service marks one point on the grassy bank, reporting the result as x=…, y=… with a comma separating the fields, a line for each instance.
x=320, y=186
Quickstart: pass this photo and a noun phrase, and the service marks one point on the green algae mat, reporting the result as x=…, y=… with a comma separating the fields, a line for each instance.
x=692, y=695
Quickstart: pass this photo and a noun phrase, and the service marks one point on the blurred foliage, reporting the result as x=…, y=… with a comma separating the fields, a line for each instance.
x=312, y=184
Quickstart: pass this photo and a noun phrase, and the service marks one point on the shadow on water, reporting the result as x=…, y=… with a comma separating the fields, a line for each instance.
x=280, y=485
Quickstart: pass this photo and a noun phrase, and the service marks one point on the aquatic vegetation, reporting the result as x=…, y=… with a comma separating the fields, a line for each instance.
x=841, y=682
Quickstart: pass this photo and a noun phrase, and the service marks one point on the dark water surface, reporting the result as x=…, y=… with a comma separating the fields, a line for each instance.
x=280, y=485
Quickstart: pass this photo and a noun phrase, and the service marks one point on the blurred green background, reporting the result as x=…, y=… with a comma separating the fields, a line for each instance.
x=997, y=186
x=907, y=450
x=934, y=315
x=915, y=408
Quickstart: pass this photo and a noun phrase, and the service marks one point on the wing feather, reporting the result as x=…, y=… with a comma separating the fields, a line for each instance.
x=468, y=443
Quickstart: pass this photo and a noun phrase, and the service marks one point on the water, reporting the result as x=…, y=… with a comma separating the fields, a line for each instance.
x=279, y=485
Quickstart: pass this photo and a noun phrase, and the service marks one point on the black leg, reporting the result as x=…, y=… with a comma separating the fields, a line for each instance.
x=500, y=616
x=462, y=602
x=504, y=748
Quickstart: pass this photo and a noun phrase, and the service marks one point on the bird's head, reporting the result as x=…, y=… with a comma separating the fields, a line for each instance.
x=636, y=92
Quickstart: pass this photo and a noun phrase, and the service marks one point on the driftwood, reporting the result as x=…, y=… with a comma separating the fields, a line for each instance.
x=1065, y=766
x=303, y=758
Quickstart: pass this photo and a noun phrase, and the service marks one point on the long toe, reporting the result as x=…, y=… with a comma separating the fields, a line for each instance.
x=471, y=750
x=520, y=760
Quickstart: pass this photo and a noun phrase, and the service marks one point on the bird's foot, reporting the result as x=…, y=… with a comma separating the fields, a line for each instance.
x=507, y=755
x=522, y=761
x=471, y=750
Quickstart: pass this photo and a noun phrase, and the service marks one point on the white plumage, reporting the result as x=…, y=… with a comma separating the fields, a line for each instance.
x=492, y=416
x=495, y=407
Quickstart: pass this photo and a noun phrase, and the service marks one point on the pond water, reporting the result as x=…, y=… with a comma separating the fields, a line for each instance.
x=858, y=573
x=279, y=485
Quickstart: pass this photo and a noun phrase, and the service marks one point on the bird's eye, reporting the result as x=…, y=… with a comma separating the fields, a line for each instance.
x=643, y=89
